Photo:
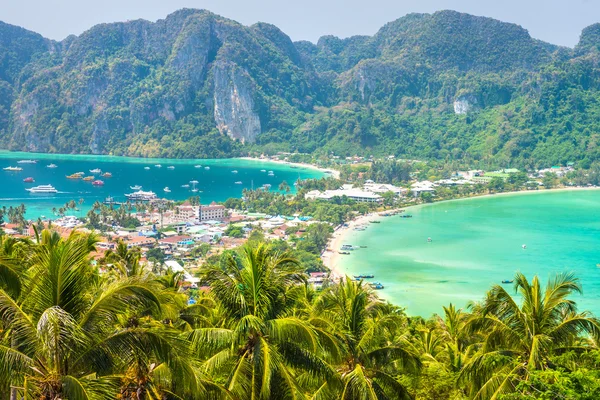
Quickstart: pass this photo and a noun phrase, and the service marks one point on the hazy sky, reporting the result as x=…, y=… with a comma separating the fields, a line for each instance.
x=555, y=21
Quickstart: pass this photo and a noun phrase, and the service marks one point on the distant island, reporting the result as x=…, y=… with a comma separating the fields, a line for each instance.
x=446, y=86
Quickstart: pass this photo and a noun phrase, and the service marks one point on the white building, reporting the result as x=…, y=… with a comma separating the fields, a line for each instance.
x=380, y=188
x=423, y=187
x=195, y=214
x=356, y=194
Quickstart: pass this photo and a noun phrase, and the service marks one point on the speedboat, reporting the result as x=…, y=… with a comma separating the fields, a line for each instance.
x=194, y=181
x=185, y=186
x=13, y=169
x=136, y=187
x=271, y=173
x=107, y=175
x=158, y=166
x=42, y=189
x=89, y=178
x=167, y=190
x=234, y=171
x=27, y=162
x=74, y=176
x=96, y=171
x=207, y=168
x=363, y=276
x=194, y=190
x=171, y=167
x=263, y=170
x=238, y=182
x=51, y=166
x=146, y=167
x=198, y=166
x=524, y=246
x=28, y=180
x=507, y=281
x=98, y=182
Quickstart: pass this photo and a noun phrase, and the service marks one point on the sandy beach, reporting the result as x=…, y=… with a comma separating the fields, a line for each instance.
x=334, y=173
x=331, y=257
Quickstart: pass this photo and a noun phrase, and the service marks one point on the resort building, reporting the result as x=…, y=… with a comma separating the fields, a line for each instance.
x=356, y=194
x=380, y=188
x=419, y=188
x=195, y=214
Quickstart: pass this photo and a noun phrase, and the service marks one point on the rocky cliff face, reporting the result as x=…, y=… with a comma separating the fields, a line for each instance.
x=234, y=104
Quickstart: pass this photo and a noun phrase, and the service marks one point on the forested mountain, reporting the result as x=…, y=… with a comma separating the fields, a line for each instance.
x=445, y=85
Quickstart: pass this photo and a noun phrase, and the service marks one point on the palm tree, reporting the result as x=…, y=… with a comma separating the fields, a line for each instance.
x=69, y=334
x=126, y=261
x=367, y=328
x=521, y=338
x=259, y=346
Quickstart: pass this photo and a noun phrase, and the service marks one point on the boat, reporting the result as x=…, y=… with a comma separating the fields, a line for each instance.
x=29, y=179
x=267, y=186
x=96, y=171
x=343, y=252
x=263, y=170
x=89, y=178
x=107, y=175
x=13, y=169
x=271, y=173
x=141, y=196
x=146, y=168
x=375, y=222
x=507, y=281
x=406, y=216
x=185, y=186
x=27, y=162
x=198, y=166
x=428, y=239
x=136, y=187
x=194, y=181
x=167, y=190
x=98, y=182
x=524, y=246
x=234, y=171
x=376, y=286
x=365, y=276
x=171, y=167
x=207, y=168
x=42, y=189
x=194, y=190
x=158, y=166
x=238, y=182
x=51, y=166
x=74, y=176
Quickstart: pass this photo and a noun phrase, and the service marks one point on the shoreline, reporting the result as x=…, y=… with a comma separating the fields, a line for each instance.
x=332, y=172
x=331, y=259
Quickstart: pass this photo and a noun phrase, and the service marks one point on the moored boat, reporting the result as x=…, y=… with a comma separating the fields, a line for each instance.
x=96, y=171
x=98, y=182
x=89, y=178
x=74, y=176
x=146, y=168
x=207, y=168
x=167, y=190
x=238, y=182
x=42, y=189
x=141, y=196
x=29, y=179
x=107, y=175
x=507, y=281
x=171, y=167
x=51, y=166
x=198, y=166
x=13, y=169
x=27, y=162
x=234, y=171
x=136, y=187
x=365, y=276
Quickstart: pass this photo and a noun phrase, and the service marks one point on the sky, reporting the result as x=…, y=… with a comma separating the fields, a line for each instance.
x=555, y=21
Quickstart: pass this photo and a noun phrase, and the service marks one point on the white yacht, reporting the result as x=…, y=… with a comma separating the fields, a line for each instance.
x=96, y=171
x=141, y=196
x=13, y=169
x=170, y=167
x=185, y=186
x=42, y=189
x=51, y=166
x=27, y=162
x=207, y=168
x=238, y=182
x=263, y=170
x=158, y=166
x=146, y=167
x=167, y=190
x=271, y=173
x=234, y=171
x=198, y=166
x=136, y=187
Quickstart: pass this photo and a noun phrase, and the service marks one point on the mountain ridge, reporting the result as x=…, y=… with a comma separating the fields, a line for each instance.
x=194, y=84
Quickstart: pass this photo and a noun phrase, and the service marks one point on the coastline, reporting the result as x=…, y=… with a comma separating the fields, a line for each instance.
x=332, y=172
x=331, y=258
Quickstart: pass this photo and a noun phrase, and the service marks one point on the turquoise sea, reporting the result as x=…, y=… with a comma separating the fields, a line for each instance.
x=478, y=242
x=217, y=183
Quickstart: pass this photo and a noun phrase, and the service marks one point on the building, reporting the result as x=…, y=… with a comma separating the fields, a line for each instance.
x=177, y=241
x=419, y=188
x=380, y=188
x=356, y=194
x=195, y=214
x=213, y=211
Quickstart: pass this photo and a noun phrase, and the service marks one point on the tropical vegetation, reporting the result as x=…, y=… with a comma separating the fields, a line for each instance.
x=77, y=327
